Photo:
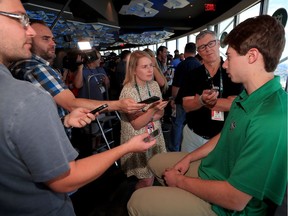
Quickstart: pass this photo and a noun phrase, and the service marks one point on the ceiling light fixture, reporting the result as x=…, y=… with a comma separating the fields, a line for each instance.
x=174, y=4
x=148, y=37
x=141, y=8
x=84, y=45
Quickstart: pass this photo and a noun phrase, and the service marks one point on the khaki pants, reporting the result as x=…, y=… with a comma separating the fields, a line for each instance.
x=167, y=201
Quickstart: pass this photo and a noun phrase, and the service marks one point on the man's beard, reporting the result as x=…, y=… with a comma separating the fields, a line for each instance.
x=50, y=57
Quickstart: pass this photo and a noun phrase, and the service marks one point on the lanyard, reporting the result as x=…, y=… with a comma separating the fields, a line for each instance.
x=210, y=79
x=137, y=88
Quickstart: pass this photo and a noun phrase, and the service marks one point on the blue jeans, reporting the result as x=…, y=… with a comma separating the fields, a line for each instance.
x=177, y=128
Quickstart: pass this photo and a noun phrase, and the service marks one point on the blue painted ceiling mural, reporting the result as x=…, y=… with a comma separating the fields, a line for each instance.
x=123, y=23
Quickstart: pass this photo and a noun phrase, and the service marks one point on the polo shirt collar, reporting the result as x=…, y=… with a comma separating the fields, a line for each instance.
x=248, y=102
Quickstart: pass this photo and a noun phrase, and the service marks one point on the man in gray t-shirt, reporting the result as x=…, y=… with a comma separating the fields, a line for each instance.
x=30, y=136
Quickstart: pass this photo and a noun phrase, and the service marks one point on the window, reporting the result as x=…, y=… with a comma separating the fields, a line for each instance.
x=181, y=44
x=161, y=44
x=251, y=12
x=282, y=69
x=225, y=26
x=192, y=37
x=142, y=47
x=133, y=49
x=171, y=45
x=152, y=47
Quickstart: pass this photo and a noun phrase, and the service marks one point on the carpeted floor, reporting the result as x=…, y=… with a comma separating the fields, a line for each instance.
x=106, y=196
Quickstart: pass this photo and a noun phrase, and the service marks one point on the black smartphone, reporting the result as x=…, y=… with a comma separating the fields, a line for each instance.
x=98, y=109
x=150, y=100
x=168, y=98
x=152, y=135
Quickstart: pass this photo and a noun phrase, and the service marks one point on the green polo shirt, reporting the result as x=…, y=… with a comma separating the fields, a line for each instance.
x=252, y=151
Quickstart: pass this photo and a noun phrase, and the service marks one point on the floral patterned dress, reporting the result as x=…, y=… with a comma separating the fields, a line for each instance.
x=136, y=163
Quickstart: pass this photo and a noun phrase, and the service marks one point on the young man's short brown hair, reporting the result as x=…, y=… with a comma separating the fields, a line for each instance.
x=262, y=32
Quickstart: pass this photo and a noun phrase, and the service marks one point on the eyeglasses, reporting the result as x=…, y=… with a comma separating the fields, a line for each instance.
x=148, y=66
x=210, y=44
x=23, y=18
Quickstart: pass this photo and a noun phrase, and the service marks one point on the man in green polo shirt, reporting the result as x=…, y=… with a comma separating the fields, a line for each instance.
x=234, y=173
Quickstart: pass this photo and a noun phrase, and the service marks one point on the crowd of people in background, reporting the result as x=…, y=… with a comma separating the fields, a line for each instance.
x=195, y=90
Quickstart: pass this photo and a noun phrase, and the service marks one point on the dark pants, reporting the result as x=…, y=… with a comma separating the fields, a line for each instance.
x=177, y=129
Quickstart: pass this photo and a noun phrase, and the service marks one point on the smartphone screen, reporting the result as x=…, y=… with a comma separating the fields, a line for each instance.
x=98, y=109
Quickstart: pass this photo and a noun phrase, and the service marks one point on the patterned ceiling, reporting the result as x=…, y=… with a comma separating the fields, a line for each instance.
x=95, y=33
x=116, y=24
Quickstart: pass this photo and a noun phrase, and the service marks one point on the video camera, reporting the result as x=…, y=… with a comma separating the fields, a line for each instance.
x=88, y=56
x=72, y=61
x=87, y=53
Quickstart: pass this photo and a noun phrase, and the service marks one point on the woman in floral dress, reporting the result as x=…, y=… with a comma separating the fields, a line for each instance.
x=139, y=85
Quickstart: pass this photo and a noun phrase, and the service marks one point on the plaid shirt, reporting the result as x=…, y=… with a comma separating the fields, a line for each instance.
x=39, y=72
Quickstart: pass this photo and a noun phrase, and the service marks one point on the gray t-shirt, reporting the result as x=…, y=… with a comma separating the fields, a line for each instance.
x=34, y=149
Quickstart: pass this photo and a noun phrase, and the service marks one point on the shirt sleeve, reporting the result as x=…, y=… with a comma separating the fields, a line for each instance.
x=261, y=168
x=188, y=88
x=49, y=79
x=39, y=137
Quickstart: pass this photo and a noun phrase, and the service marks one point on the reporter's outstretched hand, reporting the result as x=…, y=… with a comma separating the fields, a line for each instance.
x=128, y=105
x=158, y=108
x=79, y=117
x=137, y=143
x=159, y=105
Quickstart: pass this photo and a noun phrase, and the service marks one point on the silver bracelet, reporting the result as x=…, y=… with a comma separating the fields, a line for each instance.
x=201, y=101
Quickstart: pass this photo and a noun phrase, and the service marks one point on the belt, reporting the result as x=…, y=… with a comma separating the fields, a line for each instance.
x=203, y=136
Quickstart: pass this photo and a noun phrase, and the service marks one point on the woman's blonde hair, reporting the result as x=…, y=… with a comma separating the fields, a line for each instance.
x=152, y=54
x=132, y=64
